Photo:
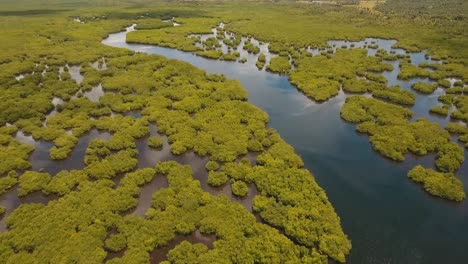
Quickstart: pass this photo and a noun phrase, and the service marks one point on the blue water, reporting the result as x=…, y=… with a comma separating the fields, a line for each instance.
x=388, y=218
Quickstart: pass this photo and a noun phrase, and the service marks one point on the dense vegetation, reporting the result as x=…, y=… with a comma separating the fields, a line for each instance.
x=396, y=95
x=261, y=61
x=424, y=87
x=206, y=114
x=279, y=64
x=320, y=77
x=440, y=184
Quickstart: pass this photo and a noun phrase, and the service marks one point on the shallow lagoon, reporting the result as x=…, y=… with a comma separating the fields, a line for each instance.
x=388, y=218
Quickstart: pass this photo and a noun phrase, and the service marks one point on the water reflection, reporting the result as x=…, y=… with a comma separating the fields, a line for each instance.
x=40, y=158
x=146, y=194
x=75, y=73
x=95, y=93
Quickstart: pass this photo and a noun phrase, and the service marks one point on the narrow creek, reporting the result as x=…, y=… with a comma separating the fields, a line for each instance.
x=388, y=218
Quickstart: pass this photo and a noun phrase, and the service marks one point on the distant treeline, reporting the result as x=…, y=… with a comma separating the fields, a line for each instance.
x=453, y=9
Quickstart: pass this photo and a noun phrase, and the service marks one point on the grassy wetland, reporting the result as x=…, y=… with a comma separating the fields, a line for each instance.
x=188, y=132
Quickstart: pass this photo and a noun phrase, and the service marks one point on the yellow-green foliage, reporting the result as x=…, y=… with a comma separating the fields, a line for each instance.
x=451, y=8
x=217, y=178
x=250, y=47
x=408, y=71
x=396, y=95
x=211, y=43
x=381, y=53
x=458, y=84
x=14, y=156
x=444, y=185
x=175, y=37
x=459, y=129
x=446, y=99
x=116, y=242
x=394, y=141
x=197, y=112
x=313, y=25
x=390, y=132
x=155, y=142
x=461, y=102
x=100, y=170
x=279, y=64
x=444, y=83
x=278, y=205
x=232, y=225
x=152, y=24
x=232, y=41
x=239, y=188
x=440, y=110
x=450, y=69
x=424, y=87
x=32, y=181
x=320, y=77
x=8, y=181
x=212, y=54
x=454, y=90
x=261, y=61
x=64, y=182
x=93, y=209
x=288, y=35
x=361, y=85
x=456, y=128
x=211, y=165
x=358, y=109
x=123, y=161
x=218, y=54
x=63, y=146
x=186, y=252
x=450, y=157
x=239, y=171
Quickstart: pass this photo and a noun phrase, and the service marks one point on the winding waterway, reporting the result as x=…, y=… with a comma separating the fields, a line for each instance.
x=388, y=218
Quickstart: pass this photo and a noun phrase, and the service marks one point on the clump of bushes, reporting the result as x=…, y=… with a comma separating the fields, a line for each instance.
x=444, y=185
x=396, y=95
x=261, y=61
x=250, y=47
x=239, y=188
x=32, y=181
x=279, y=64
x=217, y=178
x=155, y=142
x=440, y=110
x=212, y=165
x=424, y=87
